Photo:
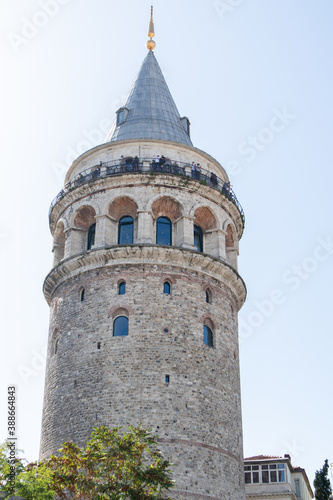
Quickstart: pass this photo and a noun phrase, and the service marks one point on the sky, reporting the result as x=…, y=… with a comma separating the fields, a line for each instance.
x=255, y=79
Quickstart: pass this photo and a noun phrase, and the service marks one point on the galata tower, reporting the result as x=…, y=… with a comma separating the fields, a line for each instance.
x=144, y=295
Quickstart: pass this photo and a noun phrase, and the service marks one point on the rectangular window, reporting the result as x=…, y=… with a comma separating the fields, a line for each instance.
x=251, y=474
x=121, y=117
x=297, y=488
x=282, y=473
x=273, y=476
x=265, y=473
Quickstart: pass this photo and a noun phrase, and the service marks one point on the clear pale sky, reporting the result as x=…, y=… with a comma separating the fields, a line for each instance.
x=255, y=79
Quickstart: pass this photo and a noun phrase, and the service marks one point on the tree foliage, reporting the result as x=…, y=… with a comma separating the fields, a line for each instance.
x=8, y=480
x=322, y=484
x=111, y=466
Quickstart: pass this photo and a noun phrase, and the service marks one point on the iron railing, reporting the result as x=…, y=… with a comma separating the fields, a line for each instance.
x=120, y=167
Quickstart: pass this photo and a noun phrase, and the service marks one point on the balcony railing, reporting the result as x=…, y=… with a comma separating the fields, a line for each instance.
x=133, y=166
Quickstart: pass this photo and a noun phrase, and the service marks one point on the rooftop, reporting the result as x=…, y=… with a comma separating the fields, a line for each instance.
x=149, y=112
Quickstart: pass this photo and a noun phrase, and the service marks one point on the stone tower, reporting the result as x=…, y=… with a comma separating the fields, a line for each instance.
x=144, y=295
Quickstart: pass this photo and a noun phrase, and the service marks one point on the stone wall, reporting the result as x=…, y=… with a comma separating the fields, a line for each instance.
x=95, y=378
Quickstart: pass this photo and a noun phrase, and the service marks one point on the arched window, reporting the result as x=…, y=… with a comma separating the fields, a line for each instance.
x=56, y=346
x=125, y=232
x=163, y=231
x=120, y=326
x=82, y=295
x=122, y=288
x=207, y=336
x=166, y=288
x=91, y=236
x=198, y=238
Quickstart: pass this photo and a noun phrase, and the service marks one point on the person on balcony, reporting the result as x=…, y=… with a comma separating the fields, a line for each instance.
x=197, y=171
x=96, y=172
x=135, y=163
x=226, y=189
x=213, y=179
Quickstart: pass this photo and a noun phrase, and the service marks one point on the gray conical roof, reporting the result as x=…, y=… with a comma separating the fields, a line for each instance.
x=152, y=112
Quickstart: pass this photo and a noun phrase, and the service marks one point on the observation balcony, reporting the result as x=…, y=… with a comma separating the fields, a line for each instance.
x=150, y=166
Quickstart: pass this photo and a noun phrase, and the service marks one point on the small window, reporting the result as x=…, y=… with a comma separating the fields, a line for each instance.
x=198, y=238
x=166, y=288
x=163, y=231
x=186, y=124
x=55, y=342
x=120, y=326
x=281, y=472
x=82, y=295
x=208, y=296
x=167, y=379
x=208, y=336
x=264, y=474
x=251, y=474
x=91, y=236
x=297, y=488
x=125, y=232
x=122, y=288
x=121, y=116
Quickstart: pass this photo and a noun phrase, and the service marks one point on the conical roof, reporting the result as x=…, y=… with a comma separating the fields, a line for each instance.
x=149, y=110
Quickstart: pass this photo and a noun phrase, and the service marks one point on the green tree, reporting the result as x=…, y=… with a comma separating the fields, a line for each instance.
x=9, y=469
x=111, y=466
x=27, y=481
x=35, y=483
x=322, y=484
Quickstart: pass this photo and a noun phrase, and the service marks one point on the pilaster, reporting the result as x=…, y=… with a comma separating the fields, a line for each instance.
x=145, y=227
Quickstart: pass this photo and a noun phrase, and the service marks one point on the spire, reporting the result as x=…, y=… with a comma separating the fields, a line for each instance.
x=151, y=32
x=150, y=111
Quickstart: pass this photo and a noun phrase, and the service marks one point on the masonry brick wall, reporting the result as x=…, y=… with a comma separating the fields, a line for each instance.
x=94, y=378
x=123, y=382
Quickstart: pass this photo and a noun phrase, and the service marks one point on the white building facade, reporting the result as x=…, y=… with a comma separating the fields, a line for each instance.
x=275, y=478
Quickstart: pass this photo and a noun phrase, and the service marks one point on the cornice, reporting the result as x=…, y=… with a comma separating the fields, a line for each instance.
x=170, y=257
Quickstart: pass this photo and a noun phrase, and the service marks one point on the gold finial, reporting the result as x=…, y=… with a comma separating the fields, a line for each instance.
x=151, y=33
